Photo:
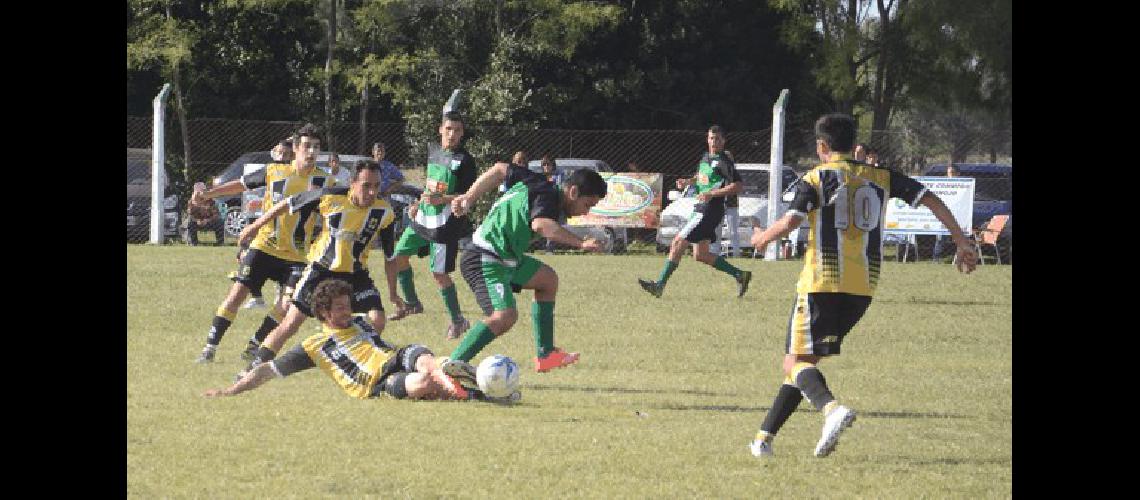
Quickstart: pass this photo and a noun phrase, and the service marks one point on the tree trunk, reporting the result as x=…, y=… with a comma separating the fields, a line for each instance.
x=328, y=76
x=363, y=119
x=180, y=111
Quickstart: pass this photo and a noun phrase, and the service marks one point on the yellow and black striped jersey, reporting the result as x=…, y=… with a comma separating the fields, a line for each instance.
x=354, y=357
x=348, y=229
x=287, y=235
x=845, y=201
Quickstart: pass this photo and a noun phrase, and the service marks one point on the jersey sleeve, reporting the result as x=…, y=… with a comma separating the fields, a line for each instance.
x=515, y=174
x=292, y=362
x=306, y=201
x=466, y=174
x=545, y=203
x=906, y=189
x=254, y=180
x=728, y=171
x=805, y=194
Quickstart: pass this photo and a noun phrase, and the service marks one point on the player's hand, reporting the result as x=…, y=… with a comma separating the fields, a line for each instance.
x=212, y=393
x=591, y=245
x=247, y=234
x=966, y=260
x=431, y=198
x=704, y=197
x=460, y=205
x=756, y=241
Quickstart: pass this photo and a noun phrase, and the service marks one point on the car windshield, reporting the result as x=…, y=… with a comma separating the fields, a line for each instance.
x=756, y=182
x=995, y=188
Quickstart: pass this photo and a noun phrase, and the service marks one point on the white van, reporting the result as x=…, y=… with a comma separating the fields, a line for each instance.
x=753, y=210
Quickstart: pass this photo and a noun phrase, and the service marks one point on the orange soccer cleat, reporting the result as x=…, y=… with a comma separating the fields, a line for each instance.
x=556, y=359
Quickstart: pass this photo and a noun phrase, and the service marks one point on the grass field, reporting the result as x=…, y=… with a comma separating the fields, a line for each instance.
x=663, y=403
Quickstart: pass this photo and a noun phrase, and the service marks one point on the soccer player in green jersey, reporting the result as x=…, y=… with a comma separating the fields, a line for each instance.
x=496, y=265
x=450, y=170
x=844, y=200
x=716, y=180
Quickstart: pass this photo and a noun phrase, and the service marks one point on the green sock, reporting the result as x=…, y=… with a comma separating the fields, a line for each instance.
x=542, y=314
x=723, y=265
x=451, y=300
x=670, y=266
x=476, y=338
x=408, y=286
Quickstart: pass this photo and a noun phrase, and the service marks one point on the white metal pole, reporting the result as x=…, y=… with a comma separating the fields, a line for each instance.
x=776, y=168
x=157, y=171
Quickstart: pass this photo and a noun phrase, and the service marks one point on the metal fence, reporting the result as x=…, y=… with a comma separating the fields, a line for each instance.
x=215, y=143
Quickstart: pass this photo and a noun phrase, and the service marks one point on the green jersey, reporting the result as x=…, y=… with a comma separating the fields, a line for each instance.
x=506, y=231
x=714, y=172
x=448, y=172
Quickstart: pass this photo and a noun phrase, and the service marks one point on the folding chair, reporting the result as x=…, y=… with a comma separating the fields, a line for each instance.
x=989, y=236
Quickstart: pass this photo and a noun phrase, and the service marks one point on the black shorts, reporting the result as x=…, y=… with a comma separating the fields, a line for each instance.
x=703, y=222
x=819, y=321
x=365, y=296
x=257, y=266
x=396, y=369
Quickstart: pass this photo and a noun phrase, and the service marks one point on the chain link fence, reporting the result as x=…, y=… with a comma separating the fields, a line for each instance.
x=216, y=143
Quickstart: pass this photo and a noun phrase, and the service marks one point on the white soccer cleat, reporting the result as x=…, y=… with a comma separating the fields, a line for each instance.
x=761, y=448
x=254, y=302
x=840, y=418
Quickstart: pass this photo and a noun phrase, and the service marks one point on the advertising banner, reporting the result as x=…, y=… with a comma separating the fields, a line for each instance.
x=633, y=199
x=956, y=192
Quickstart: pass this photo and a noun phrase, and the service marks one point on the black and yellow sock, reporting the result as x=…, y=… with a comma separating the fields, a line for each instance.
x=451, y=300
x=722, y=265
x=408, y=286
x=787, y=399
x=265, y=355
x=267, y=325
x=222, y=321
x=670, y=266
x=476, y=338
x=810, y=380
x=542, y=315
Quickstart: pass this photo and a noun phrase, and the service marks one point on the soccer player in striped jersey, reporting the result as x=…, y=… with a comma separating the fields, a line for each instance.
x=351, y=353
x=277, y=253
x=352, y=217
x=716, y=180
x=495, y=265
x=844, y=201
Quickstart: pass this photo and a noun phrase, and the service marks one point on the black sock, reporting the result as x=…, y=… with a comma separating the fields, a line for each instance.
x=265, y=355
x=267, y=325
x=783, y=406
x=217, y=329
x=811, y=382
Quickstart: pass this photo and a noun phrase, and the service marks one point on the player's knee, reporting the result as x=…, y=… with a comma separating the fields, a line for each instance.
x=419, y=385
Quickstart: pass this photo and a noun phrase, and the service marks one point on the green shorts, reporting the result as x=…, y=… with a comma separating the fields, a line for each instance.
x=442, y=254
x=493, y=282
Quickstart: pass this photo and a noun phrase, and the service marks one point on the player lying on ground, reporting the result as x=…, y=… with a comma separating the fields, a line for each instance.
x=844, y=201
x=350, y=352
x=495, y=265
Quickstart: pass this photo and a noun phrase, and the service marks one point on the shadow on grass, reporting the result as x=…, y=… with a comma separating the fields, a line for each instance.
x=750, y=409
x=622, y=390
x=920, y=300
x=954, y=461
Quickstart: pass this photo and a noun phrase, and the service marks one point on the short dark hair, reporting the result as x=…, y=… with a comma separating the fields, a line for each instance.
x=453, y=116
x=378, y=145
x=588, y=181
x=324, y=294
x=837, y=130
x=362, y=165
x=547, y=160
x=286, y=143
x=309, y=130
x=716, y=129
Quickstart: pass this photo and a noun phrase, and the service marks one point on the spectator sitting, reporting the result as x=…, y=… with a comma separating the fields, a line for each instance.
x=203, y=216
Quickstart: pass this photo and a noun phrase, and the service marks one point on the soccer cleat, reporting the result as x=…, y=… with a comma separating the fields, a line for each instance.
x=404, y=312
x=556, y=359
x=207, y=355
x=761, y=448
x=459, y=370
x=839, y=419
x=650, y=286
x=254, y=302
x=452, y=386
x=456, y=330
x=250, y=351
x=742, y=282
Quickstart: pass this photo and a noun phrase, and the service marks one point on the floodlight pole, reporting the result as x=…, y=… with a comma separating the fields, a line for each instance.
x=775, y=171
x=157, y=171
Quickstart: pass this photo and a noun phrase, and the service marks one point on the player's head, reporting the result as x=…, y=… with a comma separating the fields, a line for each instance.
x=451, y=130
x=872, y=156
x=332, y=303
x=716, y=139
x=519, y=158
x=378, y=151
x=583, y=189
x=835, y=132
x=306, y=145
x=365, y=182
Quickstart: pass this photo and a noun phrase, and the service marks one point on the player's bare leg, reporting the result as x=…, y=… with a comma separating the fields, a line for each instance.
x=223, y=318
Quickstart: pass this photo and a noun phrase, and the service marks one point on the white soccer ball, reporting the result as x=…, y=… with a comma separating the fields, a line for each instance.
x=497, y=376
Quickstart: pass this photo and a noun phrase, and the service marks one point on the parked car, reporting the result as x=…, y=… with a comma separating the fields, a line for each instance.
x=753, y=209
x=615, y=238
x=993, y=195
x=138, y=199
x=248, y=162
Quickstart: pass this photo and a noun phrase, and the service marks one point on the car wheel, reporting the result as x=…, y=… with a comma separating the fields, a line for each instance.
x=234, y=222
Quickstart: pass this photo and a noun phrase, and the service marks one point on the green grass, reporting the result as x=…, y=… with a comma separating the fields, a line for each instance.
x=663, y=403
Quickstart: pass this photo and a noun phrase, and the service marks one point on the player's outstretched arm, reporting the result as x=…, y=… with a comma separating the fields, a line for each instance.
x=251, y=380
x=784, y=225
x=548, y=228
x=230, y=188
x=248, y=232
x=487, y=181
x=966, y=258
